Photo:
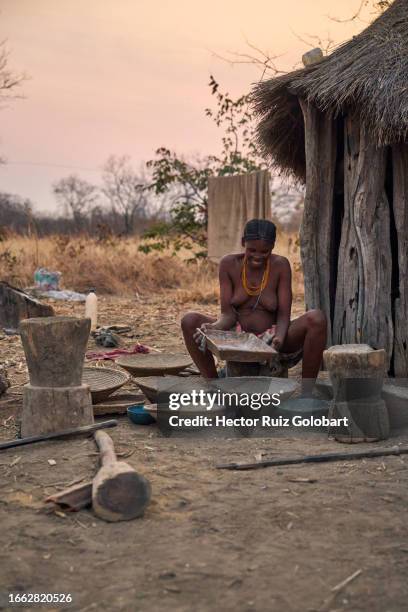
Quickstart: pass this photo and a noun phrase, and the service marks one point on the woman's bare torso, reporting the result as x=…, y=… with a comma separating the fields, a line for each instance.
x=255, y=313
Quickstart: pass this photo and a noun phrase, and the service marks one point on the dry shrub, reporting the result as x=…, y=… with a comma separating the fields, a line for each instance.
x=117, y=267
x=110, y=267
x=204, y=291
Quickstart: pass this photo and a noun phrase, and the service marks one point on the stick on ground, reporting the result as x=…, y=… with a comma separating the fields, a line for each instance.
x=86, y=429
x=323, y=458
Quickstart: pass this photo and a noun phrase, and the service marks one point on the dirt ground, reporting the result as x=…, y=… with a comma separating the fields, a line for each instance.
x=275, y=539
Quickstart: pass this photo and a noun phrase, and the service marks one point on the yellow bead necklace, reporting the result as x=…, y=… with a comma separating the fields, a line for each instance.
x=252, y=289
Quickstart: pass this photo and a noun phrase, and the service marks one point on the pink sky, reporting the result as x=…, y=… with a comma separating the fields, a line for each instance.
x=127, y=76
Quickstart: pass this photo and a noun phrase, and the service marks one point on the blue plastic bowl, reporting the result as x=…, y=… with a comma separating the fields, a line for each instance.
x=137, y=414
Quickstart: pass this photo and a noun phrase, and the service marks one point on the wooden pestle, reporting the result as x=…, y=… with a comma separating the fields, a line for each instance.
x=119, y=493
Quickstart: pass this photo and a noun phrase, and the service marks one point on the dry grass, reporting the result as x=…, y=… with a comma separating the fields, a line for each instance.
x=118, y=268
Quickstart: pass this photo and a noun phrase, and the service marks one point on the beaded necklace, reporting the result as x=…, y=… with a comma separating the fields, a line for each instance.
x=254, y=289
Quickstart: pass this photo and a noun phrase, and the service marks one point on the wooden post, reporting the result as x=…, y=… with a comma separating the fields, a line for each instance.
x=55, y=399
x=400, y=207
x=316, y=229
x=356, y=372
x=345, y=314
x=363, y=293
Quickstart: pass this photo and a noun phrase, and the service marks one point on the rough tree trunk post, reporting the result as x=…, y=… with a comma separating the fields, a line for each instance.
x=363, y=293
x=356, y=372
x=55, y=399
x=400, y=207
x=316, y=229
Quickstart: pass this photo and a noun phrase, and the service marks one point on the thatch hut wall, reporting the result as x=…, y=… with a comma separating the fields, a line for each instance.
x=341, y=126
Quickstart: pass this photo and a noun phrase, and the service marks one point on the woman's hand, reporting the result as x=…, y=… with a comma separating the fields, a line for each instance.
x=198, y=336
x=277, y=343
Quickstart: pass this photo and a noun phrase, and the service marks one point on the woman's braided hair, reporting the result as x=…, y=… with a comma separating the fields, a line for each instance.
x=260, y=229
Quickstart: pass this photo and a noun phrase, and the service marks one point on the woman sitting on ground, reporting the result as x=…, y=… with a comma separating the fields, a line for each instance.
x=256, y=296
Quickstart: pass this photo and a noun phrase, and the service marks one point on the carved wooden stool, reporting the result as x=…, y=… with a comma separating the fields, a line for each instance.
x=278, y=368
x=55, y=399
x=357, y=372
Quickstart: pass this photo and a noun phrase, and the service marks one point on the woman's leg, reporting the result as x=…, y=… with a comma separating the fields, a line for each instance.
x=310, y=333
x=204, y=361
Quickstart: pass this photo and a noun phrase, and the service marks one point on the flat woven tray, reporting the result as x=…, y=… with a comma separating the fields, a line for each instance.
x=238, y=346
x=103, y=381
x=154, y=364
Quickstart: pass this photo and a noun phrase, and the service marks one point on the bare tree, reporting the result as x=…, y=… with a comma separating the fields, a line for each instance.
x=267, y=62
x=9, y=80
x=75, y=196
x=15, y=212
x=125, y=190
x=378, y=5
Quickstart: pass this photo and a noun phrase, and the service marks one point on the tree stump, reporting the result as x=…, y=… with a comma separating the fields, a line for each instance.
x=15, y=305
x=237, y=368
x=55, y=399
x=357, y=372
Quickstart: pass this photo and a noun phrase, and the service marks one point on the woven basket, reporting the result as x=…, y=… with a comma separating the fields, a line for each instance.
x=150, y=385
x=103, y=381
x=154, y=364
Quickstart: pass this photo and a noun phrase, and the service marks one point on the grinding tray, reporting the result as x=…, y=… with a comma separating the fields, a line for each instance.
x=238, y=346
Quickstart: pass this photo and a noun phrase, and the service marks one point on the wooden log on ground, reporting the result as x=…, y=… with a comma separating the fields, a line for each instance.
x=356, y=372
x=16, y=305
x=119, y=493
x=55, y=350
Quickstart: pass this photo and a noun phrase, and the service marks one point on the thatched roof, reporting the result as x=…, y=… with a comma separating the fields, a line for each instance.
x=368, y=74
